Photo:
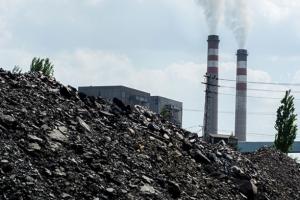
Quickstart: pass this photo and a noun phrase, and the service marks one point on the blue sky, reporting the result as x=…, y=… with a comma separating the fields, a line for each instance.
x=158, y=46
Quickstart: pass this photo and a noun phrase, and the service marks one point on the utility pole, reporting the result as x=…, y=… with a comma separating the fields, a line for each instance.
x=211, y=100
x=210, y=112
x=205, y=120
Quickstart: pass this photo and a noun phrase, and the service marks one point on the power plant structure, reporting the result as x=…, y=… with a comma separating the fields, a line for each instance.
x=211, y=95
x=241, y=95
x=211, y=99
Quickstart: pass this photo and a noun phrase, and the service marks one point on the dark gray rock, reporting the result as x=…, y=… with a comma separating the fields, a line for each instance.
x=65, y=92
x=83, y=124
x=57, y=136
x=7, y=120
x=199, y=156
x=174, y=189
x=248, y=189
x=34, y=138
x=153, y=127
x=147, y=189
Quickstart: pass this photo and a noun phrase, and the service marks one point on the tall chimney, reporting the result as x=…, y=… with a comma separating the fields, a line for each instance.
x=241, y=95
x=211, y=100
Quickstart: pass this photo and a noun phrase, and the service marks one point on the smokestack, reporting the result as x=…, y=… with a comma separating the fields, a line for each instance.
x=241, y=95
x=211, y=100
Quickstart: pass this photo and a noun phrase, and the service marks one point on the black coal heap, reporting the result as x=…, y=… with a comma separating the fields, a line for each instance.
x=58, y=144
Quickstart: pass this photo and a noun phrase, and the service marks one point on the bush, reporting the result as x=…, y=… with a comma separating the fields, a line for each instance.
x=16, y=70
x=42, y=65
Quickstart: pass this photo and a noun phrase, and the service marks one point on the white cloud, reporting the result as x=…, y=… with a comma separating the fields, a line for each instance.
x=258, y=75
x=296, y=78
x=6, y=10
x=95, y=67
x=180, y=80
x=275, y=10
x=5, y=33
x=95, y=2
x=85, y=67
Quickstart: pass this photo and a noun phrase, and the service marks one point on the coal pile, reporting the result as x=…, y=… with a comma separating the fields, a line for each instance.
x=279, y=174
x=58, y=144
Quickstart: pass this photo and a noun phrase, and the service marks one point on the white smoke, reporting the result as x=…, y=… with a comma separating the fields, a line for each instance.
x=235, y=13
x=213, y=10
x=237, y=19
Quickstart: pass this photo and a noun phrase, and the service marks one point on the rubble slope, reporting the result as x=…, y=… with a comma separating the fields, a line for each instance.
x=58, y=144
x=279, y=174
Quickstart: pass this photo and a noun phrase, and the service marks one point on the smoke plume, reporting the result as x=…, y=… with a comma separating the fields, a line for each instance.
x=213, y=10
x=237, y=20
x=235, y=13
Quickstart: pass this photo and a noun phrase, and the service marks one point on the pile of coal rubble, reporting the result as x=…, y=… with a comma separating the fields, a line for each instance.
x=58, y=144
x=279, y=174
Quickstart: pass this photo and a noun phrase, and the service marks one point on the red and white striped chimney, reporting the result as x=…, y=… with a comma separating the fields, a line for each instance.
x=241, y=95
x=211, y=100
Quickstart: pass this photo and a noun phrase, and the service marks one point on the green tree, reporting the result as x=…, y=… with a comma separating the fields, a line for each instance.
x=42, y=65
x=165, y=113
x=285, y=125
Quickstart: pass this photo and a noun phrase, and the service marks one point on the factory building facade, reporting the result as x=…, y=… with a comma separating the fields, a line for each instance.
x=170, y=109
x=129, y=96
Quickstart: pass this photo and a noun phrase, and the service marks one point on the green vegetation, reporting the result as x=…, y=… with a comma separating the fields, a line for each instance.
x=286, y=124
x=42, y=65
x=16, y=70
x=165, y=113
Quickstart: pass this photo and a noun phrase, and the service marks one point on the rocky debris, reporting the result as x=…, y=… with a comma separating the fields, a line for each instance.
x=34, y=138
x=279, y=174
x=147, y=189
x=57, y=135
x=83, y=124
x=34, y=147
x=174, y=189
x=58, y=144
x=199, y=156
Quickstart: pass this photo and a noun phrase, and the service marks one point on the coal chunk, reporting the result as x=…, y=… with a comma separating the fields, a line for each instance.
x=199, y=156
x=174, y=189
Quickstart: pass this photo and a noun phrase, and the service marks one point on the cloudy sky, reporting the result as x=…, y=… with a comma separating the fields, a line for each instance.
x=158, y=46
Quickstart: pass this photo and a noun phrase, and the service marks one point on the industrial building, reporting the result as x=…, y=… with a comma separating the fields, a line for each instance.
x=128, y=96
x=171, y=109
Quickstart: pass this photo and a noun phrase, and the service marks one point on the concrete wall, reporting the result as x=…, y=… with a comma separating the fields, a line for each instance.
x=127, y=95
x=253, y=146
